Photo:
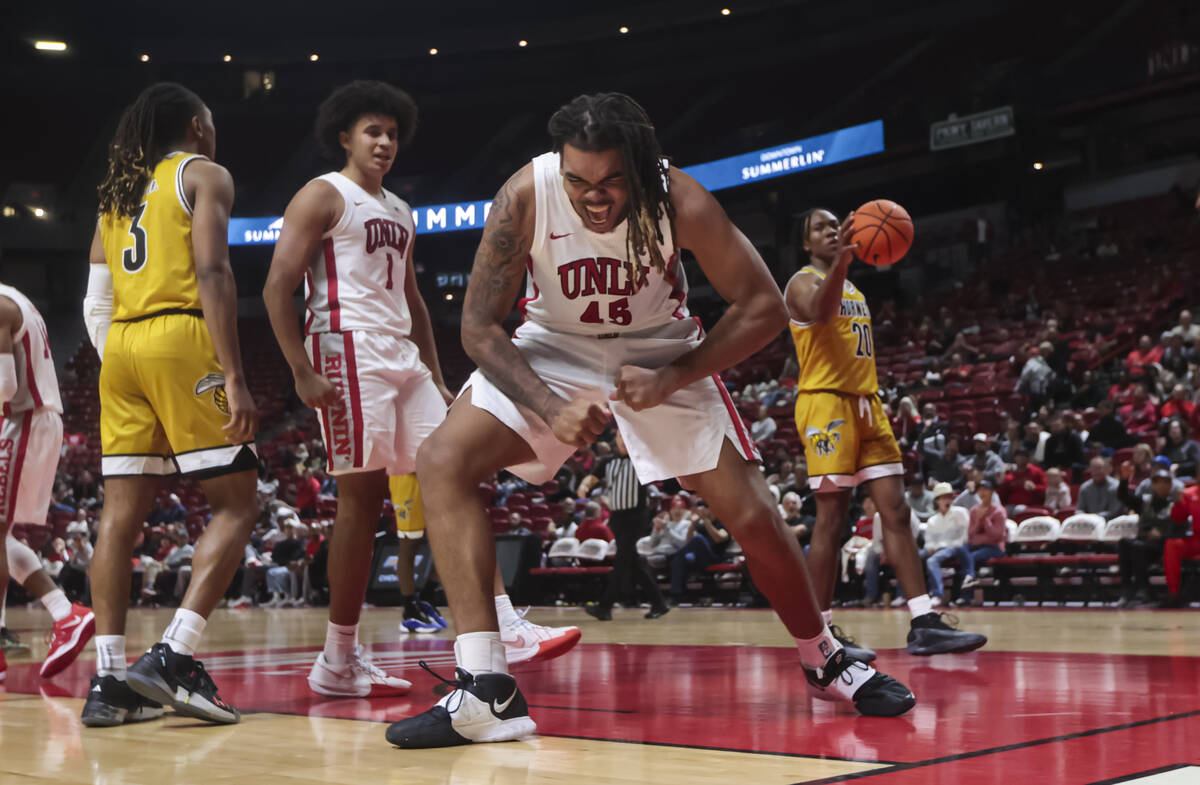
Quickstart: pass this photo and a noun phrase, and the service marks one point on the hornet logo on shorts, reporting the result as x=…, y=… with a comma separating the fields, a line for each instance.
x=824, y=440
x=216, y=383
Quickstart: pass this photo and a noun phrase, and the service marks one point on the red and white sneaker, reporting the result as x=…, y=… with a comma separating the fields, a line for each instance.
x=358, y=678
x=70, y=637
x=525, y=641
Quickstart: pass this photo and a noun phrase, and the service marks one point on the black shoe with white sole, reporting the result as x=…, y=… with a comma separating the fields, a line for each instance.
x=110, y=702
x=481, y=707
x=846, y=678
x=179, y=681
x=931, y=633
x=851, y=646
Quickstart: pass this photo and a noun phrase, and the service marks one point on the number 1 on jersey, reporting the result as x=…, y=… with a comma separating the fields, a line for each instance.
x=389, y=280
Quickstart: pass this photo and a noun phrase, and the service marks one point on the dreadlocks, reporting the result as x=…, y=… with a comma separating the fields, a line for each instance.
x=158, y=118
x=607, y=120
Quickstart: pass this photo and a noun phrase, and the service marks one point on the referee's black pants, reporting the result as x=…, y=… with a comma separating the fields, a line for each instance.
x=629, y=568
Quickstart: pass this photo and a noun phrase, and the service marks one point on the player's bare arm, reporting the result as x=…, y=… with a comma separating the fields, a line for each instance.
x=496, y=278
x=756, y=311
x=811, y=299
x=422, y=326
x=209, y=186
x=10, y=323
x=312, y=212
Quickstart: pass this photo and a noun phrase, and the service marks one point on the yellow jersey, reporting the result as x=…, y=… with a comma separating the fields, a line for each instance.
x=150, y=252
x=838, y=356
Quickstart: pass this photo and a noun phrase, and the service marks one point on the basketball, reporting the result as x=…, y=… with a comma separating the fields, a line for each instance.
x=883, y=231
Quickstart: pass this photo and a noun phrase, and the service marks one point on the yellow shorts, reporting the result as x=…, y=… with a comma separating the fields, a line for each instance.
x=847, y=440
x=162, y=401
x=406, y=502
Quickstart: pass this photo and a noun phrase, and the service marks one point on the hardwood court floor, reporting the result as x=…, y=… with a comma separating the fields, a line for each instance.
x=700, y=696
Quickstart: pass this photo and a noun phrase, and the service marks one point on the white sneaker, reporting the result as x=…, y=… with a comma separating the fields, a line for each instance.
x=899, y=602
x=358, y=678
x=525, y=641
x=241, y=602
x=936, y=602
x=970, y=582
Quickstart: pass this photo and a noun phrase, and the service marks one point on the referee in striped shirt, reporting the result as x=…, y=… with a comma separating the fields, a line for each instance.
x=629, y=522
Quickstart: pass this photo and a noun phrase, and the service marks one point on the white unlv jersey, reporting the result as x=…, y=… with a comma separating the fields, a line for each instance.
x=37, y=383
x=356, y=279
x=584, y=282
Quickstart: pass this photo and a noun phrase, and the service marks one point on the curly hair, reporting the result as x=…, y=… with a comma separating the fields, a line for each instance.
x=604, y=121
x=147, y=130
x=349, y=102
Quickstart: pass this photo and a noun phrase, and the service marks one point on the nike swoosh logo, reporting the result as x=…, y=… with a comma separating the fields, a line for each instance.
x=357, y=204
x=72, y=623
x=499, y=707
x=554, y=236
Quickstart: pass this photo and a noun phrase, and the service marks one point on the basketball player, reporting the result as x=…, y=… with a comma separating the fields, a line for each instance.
x=30, y=441
x=419, y=616
x=598, y=223
x=848, y=439
x=161, y=309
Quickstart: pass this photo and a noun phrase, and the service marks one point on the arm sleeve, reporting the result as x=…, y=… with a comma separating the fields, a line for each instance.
x=98, y=305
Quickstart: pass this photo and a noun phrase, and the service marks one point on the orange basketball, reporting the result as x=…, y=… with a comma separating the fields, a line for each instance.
x=883, y=231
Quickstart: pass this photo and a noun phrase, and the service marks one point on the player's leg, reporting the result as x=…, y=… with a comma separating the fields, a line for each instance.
x=738, y=496
x=523, y=640
x=828, y=532
x=74, y=624
x=419, y=616
x=465, y=450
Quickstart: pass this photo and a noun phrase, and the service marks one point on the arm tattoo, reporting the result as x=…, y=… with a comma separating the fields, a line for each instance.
x=495, y=280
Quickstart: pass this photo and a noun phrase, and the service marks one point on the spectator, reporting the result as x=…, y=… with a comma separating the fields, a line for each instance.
x=1191, y=352
x=287, y=559
x=969, y=498
x=178, y=564
x=1122, y=390
x=516, y=525
x=786, y=479
x=1025, y=485
x=1155, y=526
x=800, y=526
x=1145, y=354
x=990, y=467
x=1180, y=449
x=764, y=427
x=1186, y=510
x=1005, y=346
x=1108, y=430
x=1035, y=441
x=1010, y=441
x=934, y=430
x=918, y=498
x=1064, y=448
x=907, y=424
x=1058, y=493
x=1178, y=405
x=1174, y=363
x=987, y=533
x=73, y=577
x=1089, y=393
x=307, y=489
x=705, y=548
x=1143, y=463
x=55, y=557
x=870, y=560
x=1107, y=249
x=943, y=466
x=170, y=510
x=672, y=529
x=1099, y=494
x=1037, y=376
x=592, y=527
x=1190, y=333
x=80, y=524
x=1140, y=415
x=946, y=538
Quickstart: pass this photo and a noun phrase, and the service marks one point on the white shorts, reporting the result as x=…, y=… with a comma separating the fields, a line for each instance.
x=30, y=443
x=388, y=402
x=682, y=436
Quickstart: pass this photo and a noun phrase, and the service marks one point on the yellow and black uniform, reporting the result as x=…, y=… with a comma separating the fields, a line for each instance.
x=406, y=502
x=162, y=391
x=846, y=434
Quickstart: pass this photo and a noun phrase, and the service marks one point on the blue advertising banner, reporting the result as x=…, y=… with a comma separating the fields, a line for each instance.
x=790, y=158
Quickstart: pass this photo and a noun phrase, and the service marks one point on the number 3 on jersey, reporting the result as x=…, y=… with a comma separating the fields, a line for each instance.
x=618, y=312
x=134, y=259
x=865, y=347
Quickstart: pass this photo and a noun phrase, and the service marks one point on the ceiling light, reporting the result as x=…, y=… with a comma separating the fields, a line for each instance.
x=39, y=212
x=449, y=296
x=433, y=50
x=1038, y=165
x=623, y=30
x=227, y=58
x=522, y=42
x=725, y=12
x=9, y=211
x=314, y=57
x=145, y=58
x=50, y=46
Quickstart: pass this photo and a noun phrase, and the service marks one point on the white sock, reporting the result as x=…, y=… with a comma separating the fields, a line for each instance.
x=919, y=606
x=814, y=652
x=827, y=616
x=340, y=640
x=504, y=610
x=184, y=631
x=57, y=603
x=480, y=652
x=4, y=605
x=110, y=656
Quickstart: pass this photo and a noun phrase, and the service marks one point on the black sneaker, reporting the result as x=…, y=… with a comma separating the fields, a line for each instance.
x=851, y=646
x=879, y=695
x=11, y=644
x=598, y=611
x=110, y=702
x=179, y=681
x=417, y=620
x=658, y=612
x=938, y=633
x=487, y=707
